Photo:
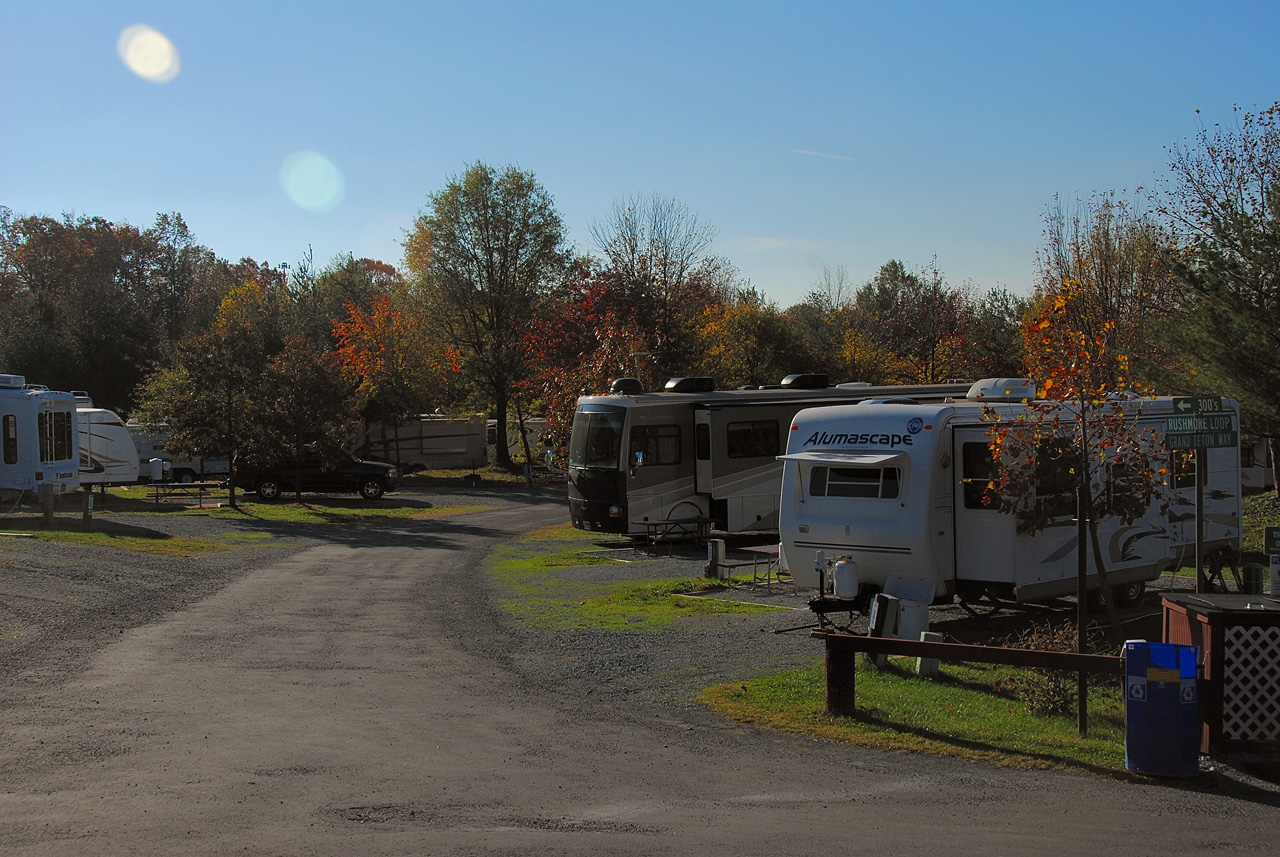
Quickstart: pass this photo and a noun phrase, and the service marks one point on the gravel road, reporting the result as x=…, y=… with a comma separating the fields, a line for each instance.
x=330, y=690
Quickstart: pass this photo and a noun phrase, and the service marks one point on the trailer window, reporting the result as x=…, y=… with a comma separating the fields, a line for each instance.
x=596, y=438
x=660, y=444
x=977, y=470
x=1057, y=469
x=10, y=439
x=756, y=439
x=872, y=482
x=1184, y=468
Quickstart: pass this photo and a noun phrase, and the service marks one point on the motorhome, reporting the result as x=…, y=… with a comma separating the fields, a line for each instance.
x=898, y=488
x=38, y=437
x=107, y=453
x=149, y=442
x=692, y=451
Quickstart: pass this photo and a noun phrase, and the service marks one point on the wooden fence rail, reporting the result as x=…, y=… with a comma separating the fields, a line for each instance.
x=842, y=650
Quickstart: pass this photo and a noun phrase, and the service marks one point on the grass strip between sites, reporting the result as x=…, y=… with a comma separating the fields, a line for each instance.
x=160, y=544
x=538, y=587
x=965, y=712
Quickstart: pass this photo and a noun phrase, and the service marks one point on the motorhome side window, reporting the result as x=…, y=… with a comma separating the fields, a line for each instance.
x=871, y=482
x=660, y=444
x=755, y=439
x=977, y=469
x=56, y=431
x=1184, y=468
x=10, y=439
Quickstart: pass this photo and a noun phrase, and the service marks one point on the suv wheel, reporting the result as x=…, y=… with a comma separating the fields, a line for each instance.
x=371, y=488
x=269, y=487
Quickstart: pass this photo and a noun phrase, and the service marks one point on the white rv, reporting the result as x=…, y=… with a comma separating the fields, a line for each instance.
x=149, y=442
x=898, y=489
x=107, y=453
x=38, y=444
x=692, y=451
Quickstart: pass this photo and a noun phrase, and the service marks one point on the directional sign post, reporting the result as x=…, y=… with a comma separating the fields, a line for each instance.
x=1197, y=405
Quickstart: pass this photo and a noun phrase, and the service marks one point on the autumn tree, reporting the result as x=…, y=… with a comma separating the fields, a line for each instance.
x=215, y=398
x=1223, y=200
x=483, y=257
x=918, y=317
x=306, y=405
x=1117, y=256
x=387, y=353
x=747, y=342
x=823, y=320
x=582, y=343
x=657, y=260
x=1081, y=437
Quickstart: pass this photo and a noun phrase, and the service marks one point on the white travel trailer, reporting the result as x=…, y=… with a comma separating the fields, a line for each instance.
x=149, y=442
x=38, y=444
x=692, y=451
x=898, y=489
x=107, y=453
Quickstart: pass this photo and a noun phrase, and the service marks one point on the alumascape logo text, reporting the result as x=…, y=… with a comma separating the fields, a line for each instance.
x=822, y=438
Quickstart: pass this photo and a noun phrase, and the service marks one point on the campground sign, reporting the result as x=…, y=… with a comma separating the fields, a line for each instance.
x=1201, y=424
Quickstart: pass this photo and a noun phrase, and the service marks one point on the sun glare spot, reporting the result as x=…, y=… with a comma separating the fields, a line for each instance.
x=148, y=54
x=312, y=181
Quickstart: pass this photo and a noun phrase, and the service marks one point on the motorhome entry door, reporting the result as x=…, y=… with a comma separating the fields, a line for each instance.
x=984, y=536
x=702, y=451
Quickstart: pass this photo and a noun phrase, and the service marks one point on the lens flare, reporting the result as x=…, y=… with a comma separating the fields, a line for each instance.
x=148, y=54
x=312, y=181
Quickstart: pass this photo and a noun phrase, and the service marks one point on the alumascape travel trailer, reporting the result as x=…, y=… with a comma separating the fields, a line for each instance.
x=38, y=437
x=898, y=489
x=692, y=451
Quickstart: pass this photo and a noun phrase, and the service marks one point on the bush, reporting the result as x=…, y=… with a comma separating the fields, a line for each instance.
x=1048, y=691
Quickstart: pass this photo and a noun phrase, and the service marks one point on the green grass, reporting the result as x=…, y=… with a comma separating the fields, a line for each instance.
x=146, y=542
x=965, y=712
x=534, y=591
x=1260, y=511
x=326, y=510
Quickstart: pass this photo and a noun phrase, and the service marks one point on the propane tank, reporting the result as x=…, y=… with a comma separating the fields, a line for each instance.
x=845, y=579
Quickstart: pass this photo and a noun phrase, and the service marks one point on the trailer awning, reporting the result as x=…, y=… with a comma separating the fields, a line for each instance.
x=846, y=459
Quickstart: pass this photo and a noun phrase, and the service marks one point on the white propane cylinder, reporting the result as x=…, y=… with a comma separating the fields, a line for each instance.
x=846, y=578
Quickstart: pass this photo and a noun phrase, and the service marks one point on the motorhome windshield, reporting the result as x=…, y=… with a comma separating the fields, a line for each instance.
x=596, y=437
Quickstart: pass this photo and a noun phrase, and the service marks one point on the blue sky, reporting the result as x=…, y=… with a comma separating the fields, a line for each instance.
x=807, y=134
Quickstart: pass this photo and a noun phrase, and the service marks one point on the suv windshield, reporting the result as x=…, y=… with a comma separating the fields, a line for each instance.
x=596, y=437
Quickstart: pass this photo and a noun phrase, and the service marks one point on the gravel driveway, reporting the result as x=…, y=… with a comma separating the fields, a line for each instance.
x=330, y=690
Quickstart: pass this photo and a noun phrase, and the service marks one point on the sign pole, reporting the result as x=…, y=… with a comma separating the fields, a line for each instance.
x=1202, y=461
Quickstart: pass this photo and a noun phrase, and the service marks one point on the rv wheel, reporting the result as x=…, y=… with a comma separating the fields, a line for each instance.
x=269, y=487
x=1129, y=595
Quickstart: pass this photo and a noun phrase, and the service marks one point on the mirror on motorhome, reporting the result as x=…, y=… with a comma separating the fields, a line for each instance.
x=637, y=458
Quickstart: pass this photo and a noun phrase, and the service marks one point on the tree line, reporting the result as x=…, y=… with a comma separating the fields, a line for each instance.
x=493, y=310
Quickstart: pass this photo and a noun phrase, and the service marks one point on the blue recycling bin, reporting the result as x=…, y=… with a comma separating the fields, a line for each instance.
x=1161, y=713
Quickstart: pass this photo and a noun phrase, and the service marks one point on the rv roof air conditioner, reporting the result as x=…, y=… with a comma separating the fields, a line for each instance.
x=851, y=385
x=12, y=382
x=1003, y=390
x=809, y=381
x=626, y=387
x=700, y=384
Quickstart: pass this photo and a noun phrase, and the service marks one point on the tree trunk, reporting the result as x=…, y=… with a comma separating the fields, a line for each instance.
x=1273, y=448
x=500, y=450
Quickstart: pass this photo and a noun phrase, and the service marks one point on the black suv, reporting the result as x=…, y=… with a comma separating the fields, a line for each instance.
x=369, y=479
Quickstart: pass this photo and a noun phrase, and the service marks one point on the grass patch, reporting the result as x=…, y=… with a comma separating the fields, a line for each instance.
x=153, y=543
x=333, y=511
x=965, y=712
x=1260, y=511
x=536, y=589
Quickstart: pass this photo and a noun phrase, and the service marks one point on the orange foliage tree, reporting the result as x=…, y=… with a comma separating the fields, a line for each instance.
x=386, y=353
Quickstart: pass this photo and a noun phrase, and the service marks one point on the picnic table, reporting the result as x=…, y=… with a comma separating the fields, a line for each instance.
x=657, y=531
x=173, y=491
